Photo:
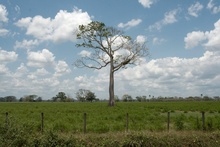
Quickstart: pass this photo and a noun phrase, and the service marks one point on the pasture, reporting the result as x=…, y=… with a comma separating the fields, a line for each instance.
x=67, y=119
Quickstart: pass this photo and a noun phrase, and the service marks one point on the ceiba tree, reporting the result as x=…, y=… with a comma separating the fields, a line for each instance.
x=110, y=47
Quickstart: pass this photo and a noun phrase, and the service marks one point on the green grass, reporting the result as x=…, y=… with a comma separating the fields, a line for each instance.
x=63, y=122
x=68, y=117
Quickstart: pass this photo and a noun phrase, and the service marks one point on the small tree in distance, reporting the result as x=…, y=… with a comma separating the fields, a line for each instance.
x=61, y=96
x=109, y=47
x=127, y=98
x=90, y=96
x=85, y=95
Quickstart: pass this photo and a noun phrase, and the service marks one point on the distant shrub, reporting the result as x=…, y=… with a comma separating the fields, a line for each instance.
x=179, y=122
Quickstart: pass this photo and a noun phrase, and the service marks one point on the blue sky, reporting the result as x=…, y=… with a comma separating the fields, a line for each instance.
x=37, y=47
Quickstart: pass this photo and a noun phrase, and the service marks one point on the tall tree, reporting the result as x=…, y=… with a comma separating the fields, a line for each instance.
x=109, y=47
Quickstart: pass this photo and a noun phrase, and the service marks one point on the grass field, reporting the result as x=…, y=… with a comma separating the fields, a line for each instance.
x=67, y=118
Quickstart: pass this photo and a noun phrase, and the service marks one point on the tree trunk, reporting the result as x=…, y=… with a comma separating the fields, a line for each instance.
x=111, y=86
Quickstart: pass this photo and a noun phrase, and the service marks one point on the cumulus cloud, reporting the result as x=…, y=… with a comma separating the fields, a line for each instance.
x=85, y=53
x=213, y=37
x=40, y=58
x=194, y=38
x=38, y=74
x=3, y=19
x=57, y=29
x=3, y=32
x=52, y=82
x=3, y=69
x=146, y=3
x=61, y=68
x=169, y=18
x=169, y=73
x=209, y=39
x=215, y=9
x=157, y=41
x=8, y=56
x=194, y=9
x=41, y=72
x=171, y=76
x=129, y=24
x=141, y=39
x=3, y=14
x=21, y=70
x=26, y=44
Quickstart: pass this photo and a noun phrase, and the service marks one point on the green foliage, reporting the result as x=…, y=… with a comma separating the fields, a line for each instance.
x=62, y=97
x=179, y=122
x=127, y=98
x=85, y=95
x=90, y=96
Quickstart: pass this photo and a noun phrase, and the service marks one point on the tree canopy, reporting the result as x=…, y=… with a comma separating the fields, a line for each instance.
x=85, y=95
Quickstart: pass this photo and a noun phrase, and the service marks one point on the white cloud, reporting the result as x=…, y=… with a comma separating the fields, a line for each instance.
x=41, y=72
x=52, y=82
x=169, y=18
x=17, y=9
x=21, y=71
x=129, y=24
x=61, y=68
x=26, y=44
x=60, y=28
x=216, y=10
x=157, y=41
x=7, y=56
x=146, y=3
x=141, y=39
x=3, y=14
x=38, y=74
x=211, y=6
x=173, y=76
x=213, y=37
x=194, y=9
x=4, y=19
x=40, y=59
x=3, y=32
x=3, y=69
x=209, y=39
x=194, y=38
x=85, y=53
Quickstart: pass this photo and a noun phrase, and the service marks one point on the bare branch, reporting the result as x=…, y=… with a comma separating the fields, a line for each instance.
x=83, y=63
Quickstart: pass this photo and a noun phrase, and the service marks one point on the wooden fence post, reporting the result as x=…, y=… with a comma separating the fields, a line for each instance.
x=42, y=122
x=84, y=127
x=168, y=121
x=203, y=120
x=6, y=120
x=127, y=122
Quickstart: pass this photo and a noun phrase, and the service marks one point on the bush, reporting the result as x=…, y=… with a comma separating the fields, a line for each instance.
x=179, y=122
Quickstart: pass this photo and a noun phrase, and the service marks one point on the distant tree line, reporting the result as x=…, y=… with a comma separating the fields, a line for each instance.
x=129, y=98
x=84, y=95
x=8, y=99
